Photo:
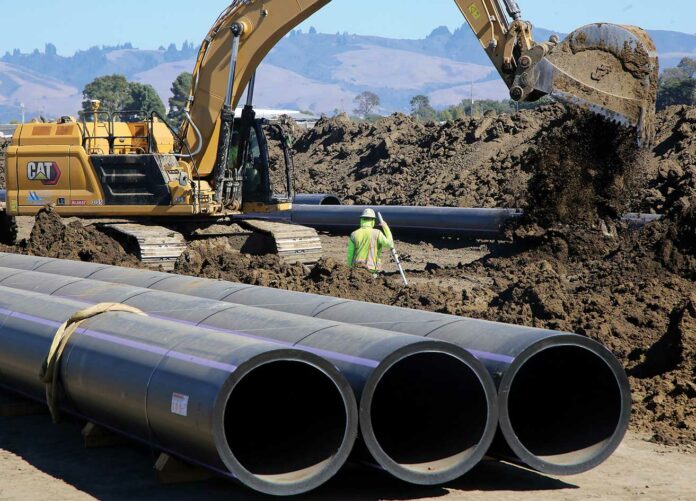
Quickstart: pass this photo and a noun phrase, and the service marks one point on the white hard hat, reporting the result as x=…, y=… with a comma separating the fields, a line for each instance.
x=368, y=214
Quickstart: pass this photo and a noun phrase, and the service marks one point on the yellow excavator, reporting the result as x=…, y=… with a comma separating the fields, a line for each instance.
x=139, y=179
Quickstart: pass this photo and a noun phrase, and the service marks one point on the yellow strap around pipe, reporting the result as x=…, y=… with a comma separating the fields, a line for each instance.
x=50, y=369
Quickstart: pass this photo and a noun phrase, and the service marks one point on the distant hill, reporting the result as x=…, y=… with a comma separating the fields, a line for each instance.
x=309, y=71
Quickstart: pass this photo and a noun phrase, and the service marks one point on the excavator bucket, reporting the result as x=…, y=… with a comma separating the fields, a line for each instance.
x=607, y=69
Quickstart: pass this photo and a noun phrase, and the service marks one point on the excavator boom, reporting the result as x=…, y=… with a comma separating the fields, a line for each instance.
x=608, y=69
x=264, y=24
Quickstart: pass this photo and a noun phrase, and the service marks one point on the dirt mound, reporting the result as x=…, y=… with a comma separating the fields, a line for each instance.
x=584, y=170
x=611, y=289
x=51, y=238
x=398, y=160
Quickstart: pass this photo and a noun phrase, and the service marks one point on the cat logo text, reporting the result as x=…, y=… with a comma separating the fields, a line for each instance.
x=46, y=172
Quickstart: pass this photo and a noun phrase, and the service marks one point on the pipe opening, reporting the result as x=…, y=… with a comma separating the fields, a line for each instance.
x=330, y=200
x=429, y=412
x=565, y=405
x=285, y=421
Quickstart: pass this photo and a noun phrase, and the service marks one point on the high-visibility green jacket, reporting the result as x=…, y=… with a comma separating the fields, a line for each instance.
x=366, y=244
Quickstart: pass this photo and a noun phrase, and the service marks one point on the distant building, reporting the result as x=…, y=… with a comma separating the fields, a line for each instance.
x=7, y=130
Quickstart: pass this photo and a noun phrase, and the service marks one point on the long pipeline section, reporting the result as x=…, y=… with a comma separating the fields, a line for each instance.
x=188, y=391
x=428, y=409
x=564, y=399
x=322, y=213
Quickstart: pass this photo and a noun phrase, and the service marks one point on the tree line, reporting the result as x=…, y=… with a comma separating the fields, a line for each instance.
x=138, y=100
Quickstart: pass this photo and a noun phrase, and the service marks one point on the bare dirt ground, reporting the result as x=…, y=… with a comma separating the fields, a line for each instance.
x=39, y=460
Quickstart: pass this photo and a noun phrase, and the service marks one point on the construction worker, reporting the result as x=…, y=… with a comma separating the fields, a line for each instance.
x=366, y=244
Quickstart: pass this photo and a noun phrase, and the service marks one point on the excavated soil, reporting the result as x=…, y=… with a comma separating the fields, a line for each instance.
x=572, y=265
x=51, y=237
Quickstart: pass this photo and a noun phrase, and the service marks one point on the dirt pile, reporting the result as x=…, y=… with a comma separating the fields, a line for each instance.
x=398, y=160
x=50, y=237
x=611, y=289
x=672, y=190
x=216, y=259
x=583, y=171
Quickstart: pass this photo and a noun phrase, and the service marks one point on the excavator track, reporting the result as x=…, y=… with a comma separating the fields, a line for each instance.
x=157, y=246
x=293, y=243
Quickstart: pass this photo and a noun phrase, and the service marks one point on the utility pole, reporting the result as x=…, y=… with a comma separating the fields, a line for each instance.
x=472, y=99
x=22, y=107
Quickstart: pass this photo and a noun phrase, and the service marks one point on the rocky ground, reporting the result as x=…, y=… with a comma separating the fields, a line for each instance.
x=570, y=265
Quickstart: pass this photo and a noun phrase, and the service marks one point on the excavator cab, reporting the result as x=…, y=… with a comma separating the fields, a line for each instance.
x=258, y=189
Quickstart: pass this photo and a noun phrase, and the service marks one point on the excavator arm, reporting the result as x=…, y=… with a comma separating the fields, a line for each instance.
x=260, y=25
x=608, y=69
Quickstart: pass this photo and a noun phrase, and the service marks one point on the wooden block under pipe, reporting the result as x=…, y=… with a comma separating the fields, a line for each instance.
x=173, y=471
x=95, y=436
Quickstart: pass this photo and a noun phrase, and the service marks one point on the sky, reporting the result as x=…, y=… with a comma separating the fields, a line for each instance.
x=79, y=24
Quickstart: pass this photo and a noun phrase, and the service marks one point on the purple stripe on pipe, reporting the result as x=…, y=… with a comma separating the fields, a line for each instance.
x=494, y=357
x=204, y=362
x=212, y=364
x=316, y=351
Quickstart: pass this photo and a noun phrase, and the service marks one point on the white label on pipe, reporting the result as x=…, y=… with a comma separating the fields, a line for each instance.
x=180, y=404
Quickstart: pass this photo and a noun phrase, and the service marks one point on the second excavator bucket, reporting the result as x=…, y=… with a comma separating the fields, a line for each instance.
x=608, y=69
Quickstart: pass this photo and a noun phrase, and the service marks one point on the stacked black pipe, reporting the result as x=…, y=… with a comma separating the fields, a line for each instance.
x=564, y=400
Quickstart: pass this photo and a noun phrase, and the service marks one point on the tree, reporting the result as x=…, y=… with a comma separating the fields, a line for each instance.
x=144, y=97
x=118, y=94
x=421, y=109
x=678, y=85
x=675, y=91
x=113, y=92
x=366, y=103
x=688, y=66
x=180, y=93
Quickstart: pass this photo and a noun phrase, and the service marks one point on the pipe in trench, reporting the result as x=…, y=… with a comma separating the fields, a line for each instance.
x=564, y=399
x=428, y=409
x=188, y=391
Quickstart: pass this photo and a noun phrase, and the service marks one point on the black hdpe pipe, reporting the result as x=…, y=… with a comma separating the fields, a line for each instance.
x=428, y=409
x=564, y=399
x=441, y=221
x=191, y=392
x=324, y=213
